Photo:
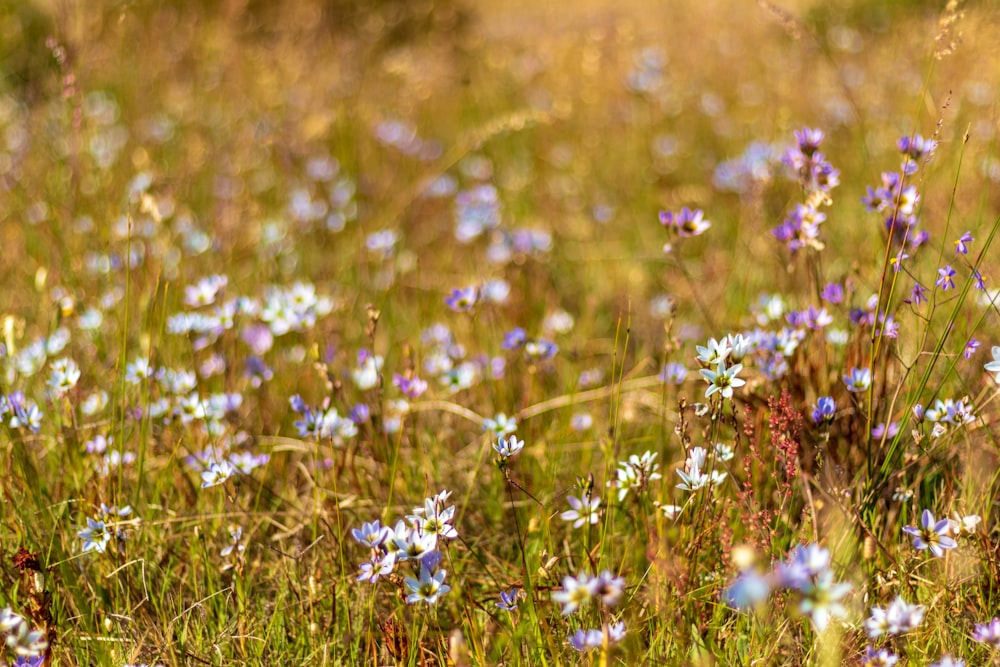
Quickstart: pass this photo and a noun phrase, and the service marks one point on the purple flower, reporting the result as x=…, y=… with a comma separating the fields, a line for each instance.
x=808, y=139
x=916, y=147
x=747, y=590
x=970, y=348
x=673, y=373
x=410, y=387
x=946, y=275
x=687, y=223
x=462, y=299
x=919, y=294
x=824, y=410
x=988, y=633
x=962, y=244
x=509, y=599
x=883, y=431
x=859, y=379
x=514, y=339
x=832, y=293
x=980, y=282
x=931, y=534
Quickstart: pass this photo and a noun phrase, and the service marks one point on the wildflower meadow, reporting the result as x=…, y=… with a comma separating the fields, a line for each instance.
x=454, y=332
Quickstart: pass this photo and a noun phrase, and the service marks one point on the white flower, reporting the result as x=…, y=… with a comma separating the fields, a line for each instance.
x=217, y=473
x=576, y=591
x=994, y=366
x=585, y=510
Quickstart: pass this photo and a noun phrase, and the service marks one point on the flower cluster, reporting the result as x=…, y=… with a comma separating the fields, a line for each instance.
x=817, y=177
x=806, y=574
x=415, y=540
x=19, y=637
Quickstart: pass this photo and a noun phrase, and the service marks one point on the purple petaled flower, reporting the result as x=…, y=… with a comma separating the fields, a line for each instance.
x=585, y=640
x=832, y=293
x=748, y=590
x=808, y=139
x=988, y=633
x=916, y=147
x=411, y=387
x=878, y=657
x=514, y=339
x=931, y=534
x=980, y=282
x=882, y=431
x=897, y=260
x=962, y=244
x=824, y=410
x=970, y=348
x=673, y=373
x=859, y=379
x=359, y=414
x=920, y=238
x=462, y=299
x=509, y=599
x=918, y=295
x=946, y=276
x=687, y=223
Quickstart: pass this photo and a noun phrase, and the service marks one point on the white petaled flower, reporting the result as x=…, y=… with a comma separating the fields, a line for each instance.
x=509, y=447
x=723, y=380
x=501, y=425
x=964, y=526
x=65, y=374
x=217, y=473
x=576, y=591
x=821, y=599
x=95, y=536
x=994, y=366
x=714, y=351
x=432, y=519
x=428, y=588
x=585, y=510
x=898, y=618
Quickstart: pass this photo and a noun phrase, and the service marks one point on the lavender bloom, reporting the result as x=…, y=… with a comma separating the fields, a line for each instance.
x=410, y=387
x=962, y=244
x=687, y=223
x=585, y=640
x=970, y=348
x=931, y=534
x=509, y=599
x=824, y=410
x=916, y=147
x=462, y=299
x=898, y=618
x=585, y=510
x=988, y=633
x=858, y=380
x=749, y=589
x=509, y=447
x=514, y=339
x=878, y=658
x=832, y=293
x=428, y=588
x=371, y=535
x=808, y=139
x=946, y=276
x=948, y=661
x=673, y=373
x=882, y=431
x=919, y=294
